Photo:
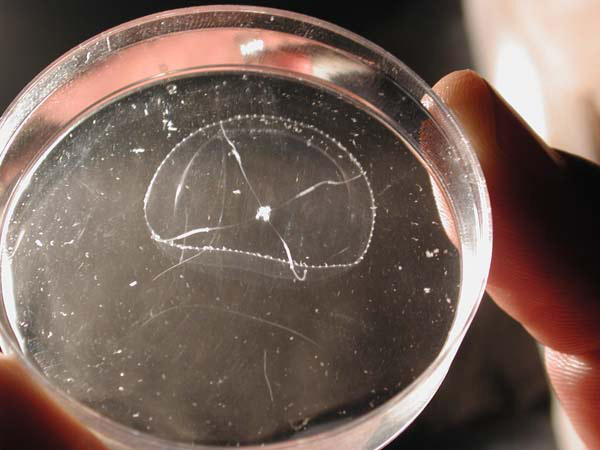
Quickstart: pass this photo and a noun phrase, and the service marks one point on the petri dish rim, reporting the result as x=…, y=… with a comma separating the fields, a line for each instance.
x=39, y=89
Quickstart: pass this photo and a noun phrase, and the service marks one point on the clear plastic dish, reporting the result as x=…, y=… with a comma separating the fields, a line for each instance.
x=234, y=226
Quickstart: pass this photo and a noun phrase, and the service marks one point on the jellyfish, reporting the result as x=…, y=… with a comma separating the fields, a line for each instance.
x=263, y=194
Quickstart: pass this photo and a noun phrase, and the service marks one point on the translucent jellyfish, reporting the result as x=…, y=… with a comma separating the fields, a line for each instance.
x=262, y=194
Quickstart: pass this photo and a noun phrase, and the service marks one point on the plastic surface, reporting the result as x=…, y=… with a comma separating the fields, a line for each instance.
x=235, y=226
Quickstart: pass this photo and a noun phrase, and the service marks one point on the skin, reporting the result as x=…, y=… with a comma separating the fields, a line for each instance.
x=29, y=419
x=544, y=270
x=542, y=274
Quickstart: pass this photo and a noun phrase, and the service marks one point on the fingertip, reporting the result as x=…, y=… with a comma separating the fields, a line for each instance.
x=457, y=87
x=471, y=100
x=497, y=133
x=576, y=382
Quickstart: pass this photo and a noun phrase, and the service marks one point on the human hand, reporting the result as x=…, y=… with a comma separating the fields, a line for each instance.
x=544, y=270
x=29, y=419
x=545, y=243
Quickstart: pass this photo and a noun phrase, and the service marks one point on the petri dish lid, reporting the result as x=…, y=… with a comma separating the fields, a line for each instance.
x=237, y=226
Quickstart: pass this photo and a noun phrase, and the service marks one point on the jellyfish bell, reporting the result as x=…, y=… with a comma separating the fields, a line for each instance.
x=265, y=195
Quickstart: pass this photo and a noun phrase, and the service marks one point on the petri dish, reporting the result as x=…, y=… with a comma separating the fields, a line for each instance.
x=236, y=226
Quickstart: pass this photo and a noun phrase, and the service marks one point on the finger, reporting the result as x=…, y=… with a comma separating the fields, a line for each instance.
x=576, y=382
x=544, y=269
x=30, y=419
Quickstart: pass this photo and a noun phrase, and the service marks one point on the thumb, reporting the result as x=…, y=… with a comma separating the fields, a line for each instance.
x=544, y=269
x=30, y=419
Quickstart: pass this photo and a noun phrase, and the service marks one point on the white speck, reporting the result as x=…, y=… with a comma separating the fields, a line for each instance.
x=291, y=338
x=432, y=253
x=135, y=415
x=121, y=388
x=87, y=56
x=427, y=290
x=448, y=300
x=118, y=352
x=236, y=192
x=399, y=267
x=133, y=283
x=172, y=89
x=168, y=124
x=138, y=150
x=253, y=46
x=39, y=243
x=122, y=374
x=163, y=376
x=263, y=213
x=146, y=111
x=50, y=334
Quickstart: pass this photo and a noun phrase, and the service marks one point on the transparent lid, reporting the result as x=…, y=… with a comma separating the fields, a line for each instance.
x=237, y=226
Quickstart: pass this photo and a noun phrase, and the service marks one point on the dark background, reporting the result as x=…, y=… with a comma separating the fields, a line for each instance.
x=495, y=396
x=427, y=35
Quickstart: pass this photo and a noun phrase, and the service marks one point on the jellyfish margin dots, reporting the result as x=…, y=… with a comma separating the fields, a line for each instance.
x=298, y=269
